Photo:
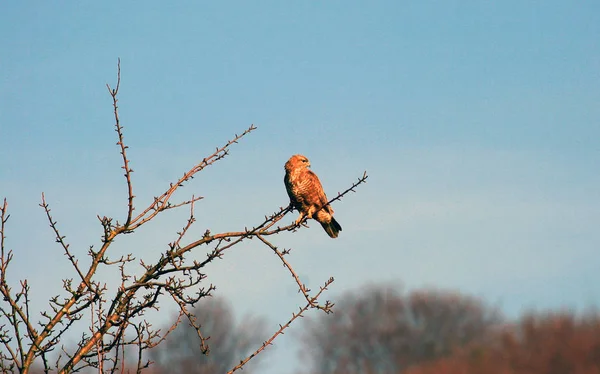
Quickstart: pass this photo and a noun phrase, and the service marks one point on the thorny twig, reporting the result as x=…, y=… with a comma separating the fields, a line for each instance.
x=119, y=129
x=282, y=328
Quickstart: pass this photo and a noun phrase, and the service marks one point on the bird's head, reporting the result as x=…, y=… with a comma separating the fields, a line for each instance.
x=297, y=162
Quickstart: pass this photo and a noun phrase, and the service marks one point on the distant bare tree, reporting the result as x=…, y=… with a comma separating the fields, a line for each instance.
x=379, y=329
x=229, y=341
x=556, y=343
x=119, y=315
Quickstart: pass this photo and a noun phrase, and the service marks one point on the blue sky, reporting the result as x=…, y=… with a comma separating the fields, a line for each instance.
x=478, y=122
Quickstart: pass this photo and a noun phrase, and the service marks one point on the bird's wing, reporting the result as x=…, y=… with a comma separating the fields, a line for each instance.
x=318, y=196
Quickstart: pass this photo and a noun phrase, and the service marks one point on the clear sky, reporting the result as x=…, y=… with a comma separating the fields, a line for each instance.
x=478, y=122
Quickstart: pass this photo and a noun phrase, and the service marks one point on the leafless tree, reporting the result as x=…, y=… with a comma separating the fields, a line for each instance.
x=379, y=329
x=229, y=341
x=540, y=343
x=119, y=315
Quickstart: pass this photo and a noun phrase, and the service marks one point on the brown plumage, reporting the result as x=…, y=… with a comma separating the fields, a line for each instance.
x=307, y=195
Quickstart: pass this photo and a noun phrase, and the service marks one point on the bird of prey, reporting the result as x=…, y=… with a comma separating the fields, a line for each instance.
x=307, y=195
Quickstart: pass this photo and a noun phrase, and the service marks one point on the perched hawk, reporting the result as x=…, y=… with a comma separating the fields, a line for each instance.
x=307, y=195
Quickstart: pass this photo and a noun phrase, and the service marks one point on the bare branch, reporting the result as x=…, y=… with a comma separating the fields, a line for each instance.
x=61, y=239
x=121, y=144
x=280, y=331
x=312, y=301
x=162, y=202
x=18, y=314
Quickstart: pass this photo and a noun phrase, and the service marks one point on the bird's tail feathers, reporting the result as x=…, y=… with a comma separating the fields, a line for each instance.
x=332, y=228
